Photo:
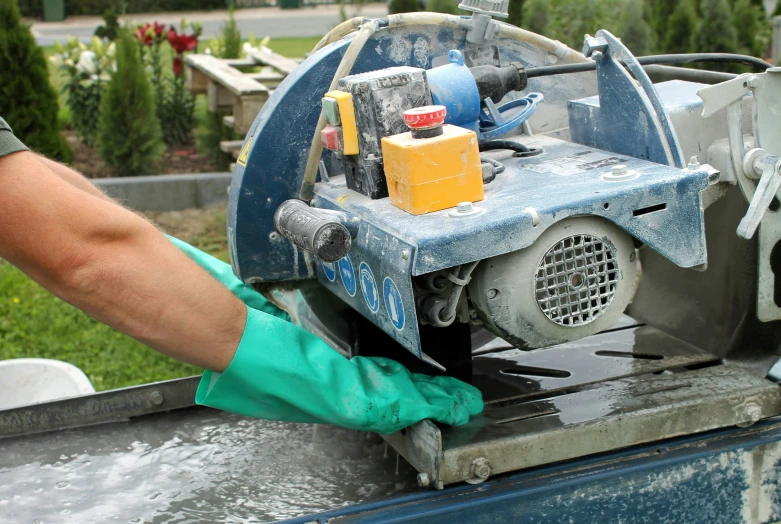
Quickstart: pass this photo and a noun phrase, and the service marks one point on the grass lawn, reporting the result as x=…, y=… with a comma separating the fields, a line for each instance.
x=34, y=323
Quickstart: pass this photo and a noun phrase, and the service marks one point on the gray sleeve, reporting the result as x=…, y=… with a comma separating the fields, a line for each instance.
x=8, y=142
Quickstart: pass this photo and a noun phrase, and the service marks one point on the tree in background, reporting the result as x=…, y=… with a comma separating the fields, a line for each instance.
x=753, y=28
x=444, y=6
x=110, y=28
x=716, y=34
x=634, y=31
x=537, y=16
x=681, y=29
x=403, y=6
x=28, y=102
x=129, y=134
x=515, y=10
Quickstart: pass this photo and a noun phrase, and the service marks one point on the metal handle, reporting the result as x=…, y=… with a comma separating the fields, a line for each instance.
x=318, y=231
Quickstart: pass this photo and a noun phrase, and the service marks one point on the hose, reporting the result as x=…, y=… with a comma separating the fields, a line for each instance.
x=520, y=149
x=307, y=191
x=448, y=314
x=497, y=168
x=654, y=60
x=340, y=31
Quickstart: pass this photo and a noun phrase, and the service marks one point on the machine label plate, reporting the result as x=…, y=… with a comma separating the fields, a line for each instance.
x=329, y=270
x=577, y=163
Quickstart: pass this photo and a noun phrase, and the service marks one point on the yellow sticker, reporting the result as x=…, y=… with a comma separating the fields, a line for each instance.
x=244, y=155
x=342, y=198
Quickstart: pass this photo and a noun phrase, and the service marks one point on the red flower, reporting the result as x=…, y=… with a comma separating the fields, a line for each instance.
x=148, y=33
x=178, y=65
x=182, y=43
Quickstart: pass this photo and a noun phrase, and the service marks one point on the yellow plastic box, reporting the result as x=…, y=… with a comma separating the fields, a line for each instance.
x=430, y=174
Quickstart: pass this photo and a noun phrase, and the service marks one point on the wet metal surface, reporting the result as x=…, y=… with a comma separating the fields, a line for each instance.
x=194, y=465
x=514, y=373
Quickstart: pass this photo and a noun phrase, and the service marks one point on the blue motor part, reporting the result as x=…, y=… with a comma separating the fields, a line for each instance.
x=453, y=86
x=471, y=94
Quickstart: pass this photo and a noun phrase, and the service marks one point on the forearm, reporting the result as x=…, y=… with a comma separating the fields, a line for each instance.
x=72, y=177
x=114, y=265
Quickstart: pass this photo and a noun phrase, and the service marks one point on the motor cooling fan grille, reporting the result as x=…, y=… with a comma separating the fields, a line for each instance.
x=576, y=280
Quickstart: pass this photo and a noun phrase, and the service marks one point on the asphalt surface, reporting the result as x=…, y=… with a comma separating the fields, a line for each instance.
x=261, y=22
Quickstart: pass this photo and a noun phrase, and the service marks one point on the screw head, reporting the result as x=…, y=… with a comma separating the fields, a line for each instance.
x=464, y=207
x=405, y=254
x=694, y=163
x=480, y=468
x=753, y=81
x=156, y=398
x=273, y=236
x=492, y=293
x=423, y=480
x=619, y=170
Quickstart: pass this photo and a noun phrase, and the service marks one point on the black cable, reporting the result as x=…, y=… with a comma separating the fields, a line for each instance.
x=520, y=149
x=654, y=60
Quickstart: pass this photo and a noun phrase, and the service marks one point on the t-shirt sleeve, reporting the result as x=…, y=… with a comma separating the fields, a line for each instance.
x=8, y=142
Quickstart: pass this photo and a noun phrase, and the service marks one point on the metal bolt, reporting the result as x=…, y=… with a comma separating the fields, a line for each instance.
x=423, y=480
x=694, y=163
x=156, y=398
x=619, y=170
x=464, y=207
x=480, y=468
x=273, y=236
x=752, y=81
x=492, y=293
x=405, y=254
x=753, y=413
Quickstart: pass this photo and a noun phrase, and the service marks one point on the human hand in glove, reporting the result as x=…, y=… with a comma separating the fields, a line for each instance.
x=282, y=372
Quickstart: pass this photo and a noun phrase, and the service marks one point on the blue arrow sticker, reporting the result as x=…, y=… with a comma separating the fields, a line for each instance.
x=393, y=303
x=348, y=275
x=329, y=270
x=369, y=287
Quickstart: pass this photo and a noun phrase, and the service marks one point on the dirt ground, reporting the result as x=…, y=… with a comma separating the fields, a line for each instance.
x=87, y=161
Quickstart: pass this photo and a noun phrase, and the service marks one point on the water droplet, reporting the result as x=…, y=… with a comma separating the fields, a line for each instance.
x=63, y=457
x=67, y=503
x=61, y=485
x=65, y=512
x=36, y=521
x=37, y=490
x=57, y=464
x=135, y=520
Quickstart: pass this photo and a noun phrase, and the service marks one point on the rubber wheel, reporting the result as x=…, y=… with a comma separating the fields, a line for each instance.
x=574, y=281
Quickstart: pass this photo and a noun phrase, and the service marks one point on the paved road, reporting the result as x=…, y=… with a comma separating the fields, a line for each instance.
x=263, y=22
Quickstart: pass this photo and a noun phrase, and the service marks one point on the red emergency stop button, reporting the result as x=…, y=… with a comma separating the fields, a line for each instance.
x=425, y=117
x=331, y=137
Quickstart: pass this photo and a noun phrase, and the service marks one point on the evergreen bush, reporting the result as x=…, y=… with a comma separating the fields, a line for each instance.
x=681, y=29
x=28, y=102
x=444, y=6
x=129, y=135
x=403, y=6
x=753, y=28
x=635, y=33
x=716, y=34
x=515, y=11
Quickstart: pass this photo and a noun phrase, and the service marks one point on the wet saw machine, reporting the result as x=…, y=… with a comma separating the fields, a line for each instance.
x=595, y=251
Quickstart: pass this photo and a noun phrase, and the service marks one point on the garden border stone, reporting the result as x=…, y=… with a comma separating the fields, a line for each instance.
x=167, y=192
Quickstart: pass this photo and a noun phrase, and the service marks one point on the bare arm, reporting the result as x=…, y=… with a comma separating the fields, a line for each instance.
x=72, y=177
x=114, y=265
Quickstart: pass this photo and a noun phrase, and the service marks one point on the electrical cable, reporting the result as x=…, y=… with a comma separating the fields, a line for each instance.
x=720, y=58
x=448, y=314
x=519, y=149
x=496, y=168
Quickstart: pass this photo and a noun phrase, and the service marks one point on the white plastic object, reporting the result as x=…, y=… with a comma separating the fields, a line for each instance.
x=25, y=381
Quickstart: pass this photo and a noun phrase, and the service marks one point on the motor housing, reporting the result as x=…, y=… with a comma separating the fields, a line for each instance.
x=574, y=281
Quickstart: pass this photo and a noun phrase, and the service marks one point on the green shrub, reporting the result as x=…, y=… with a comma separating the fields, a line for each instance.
x=403, y=6
x=444, y=6
x=681, y=29
x=753, y=27
x=636, y=34
x=515, y=11
x=716, y=33
x=28, y=102
x=110, y=28
x=129, y=135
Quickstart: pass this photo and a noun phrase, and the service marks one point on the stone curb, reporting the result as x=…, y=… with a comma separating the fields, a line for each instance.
x=167, y=192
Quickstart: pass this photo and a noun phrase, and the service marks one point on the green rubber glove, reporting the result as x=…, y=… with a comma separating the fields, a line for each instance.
x=224, y=274
x=282, y=372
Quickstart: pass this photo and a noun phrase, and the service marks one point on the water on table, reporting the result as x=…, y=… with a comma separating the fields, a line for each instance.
x=195, y=465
